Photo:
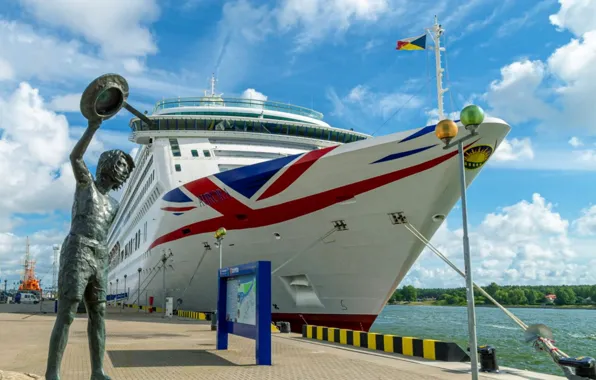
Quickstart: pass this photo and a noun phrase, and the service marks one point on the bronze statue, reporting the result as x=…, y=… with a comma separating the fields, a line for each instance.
x=84, y=256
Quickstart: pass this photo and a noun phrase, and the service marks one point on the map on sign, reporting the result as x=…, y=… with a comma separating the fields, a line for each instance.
x=241, y=302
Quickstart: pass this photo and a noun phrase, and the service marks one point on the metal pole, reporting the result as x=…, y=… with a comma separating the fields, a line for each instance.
x=220, y=252
x=214, y=316
x=468, y=269
x=164, y=282
x=139, y=290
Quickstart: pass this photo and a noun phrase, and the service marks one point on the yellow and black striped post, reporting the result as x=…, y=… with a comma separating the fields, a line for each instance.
x=409, y=346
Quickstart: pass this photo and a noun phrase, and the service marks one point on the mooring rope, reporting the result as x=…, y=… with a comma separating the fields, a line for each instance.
x=423, y=239
x=540, y=343
x=304, y=250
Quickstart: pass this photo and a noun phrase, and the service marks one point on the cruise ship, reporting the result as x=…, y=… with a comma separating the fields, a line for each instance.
x=323, y=204
x=326, y=206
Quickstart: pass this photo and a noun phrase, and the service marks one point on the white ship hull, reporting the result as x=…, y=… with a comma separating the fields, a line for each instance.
x=339, y=278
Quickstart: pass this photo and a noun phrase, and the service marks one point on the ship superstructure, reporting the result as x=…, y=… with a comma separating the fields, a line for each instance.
x=323, y=204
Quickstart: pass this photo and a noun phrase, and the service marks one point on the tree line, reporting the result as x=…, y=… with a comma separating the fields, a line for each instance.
x=505, y=295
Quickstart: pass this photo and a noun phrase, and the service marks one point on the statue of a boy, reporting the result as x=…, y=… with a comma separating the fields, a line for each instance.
x=84, y=256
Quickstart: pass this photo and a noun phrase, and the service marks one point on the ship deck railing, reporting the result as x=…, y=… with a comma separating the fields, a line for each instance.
x=223, y=124
x=236, y=102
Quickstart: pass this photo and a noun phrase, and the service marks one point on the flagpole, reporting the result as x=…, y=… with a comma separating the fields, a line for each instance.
x=472, y=340
x=436, y=36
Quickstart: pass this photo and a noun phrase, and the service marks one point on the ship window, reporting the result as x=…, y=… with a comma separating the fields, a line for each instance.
x=207, y=153
x=175, y=147
x=194, y=153
x=178, y=167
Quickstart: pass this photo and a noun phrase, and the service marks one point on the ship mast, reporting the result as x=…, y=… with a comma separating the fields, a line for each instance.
x=212, y=82
x=436, y=31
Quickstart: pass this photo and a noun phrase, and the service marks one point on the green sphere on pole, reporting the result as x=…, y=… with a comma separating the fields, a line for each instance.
x=471, y=115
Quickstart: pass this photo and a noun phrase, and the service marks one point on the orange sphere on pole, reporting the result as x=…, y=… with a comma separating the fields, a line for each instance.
x=446, y=130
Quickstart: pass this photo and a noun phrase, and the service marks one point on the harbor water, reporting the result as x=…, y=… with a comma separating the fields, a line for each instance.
x=574, y=331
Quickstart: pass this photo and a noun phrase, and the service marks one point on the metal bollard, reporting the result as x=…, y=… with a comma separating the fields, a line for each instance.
x=488, y=359
x=214, y=321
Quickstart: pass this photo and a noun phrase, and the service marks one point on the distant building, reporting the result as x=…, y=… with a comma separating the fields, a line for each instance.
x=550, y=297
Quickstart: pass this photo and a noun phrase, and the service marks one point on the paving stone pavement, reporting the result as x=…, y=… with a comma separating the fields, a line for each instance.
x=144, y=346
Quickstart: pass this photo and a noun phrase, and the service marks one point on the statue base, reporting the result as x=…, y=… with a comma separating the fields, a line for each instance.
x=6, y=375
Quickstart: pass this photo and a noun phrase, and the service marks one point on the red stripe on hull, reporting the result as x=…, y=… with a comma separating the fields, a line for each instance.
x=178, y=209
x=295, y=171
x=358, y=322
x=237, y=216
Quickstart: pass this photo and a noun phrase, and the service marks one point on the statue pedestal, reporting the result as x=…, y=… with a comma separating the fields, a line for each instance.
x=5, y=375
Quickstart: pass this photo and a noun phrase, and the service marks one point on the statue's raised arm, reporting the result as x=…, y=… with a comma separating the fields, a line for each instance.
x=80, y=170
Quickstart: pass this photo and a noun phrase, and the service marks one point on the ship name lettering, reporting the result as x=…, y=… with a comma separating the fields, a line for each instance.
x=214, y=196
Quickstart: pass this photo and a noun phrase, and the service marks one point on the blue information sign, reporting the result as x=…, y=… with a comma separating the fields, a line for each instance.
x=244, y=306
x=116, y=297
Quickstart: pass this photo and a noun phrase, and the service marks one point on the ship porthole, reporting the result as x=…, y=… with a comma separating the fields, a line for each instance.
x=277, y=236
x=438, y=217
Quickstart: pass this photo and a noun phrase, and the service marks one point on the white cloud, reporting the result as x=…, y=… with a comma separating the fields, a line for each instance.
x=513, y=25
x=514, y=150
x=37, y=176
x=575, y=15
x=381, y=104
x=514, y=97
x=6, y=70
x=66, y=103
x=586, y=224
x=118, y=27
x=28, y=54
x=433, y=116
x=575, y=142
x=525, y=243
x=567, y=77
x=251, y=93
x=320, y=18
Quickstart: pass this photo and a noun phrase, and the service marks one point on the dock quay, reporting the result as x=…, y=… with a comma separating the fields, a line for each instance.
x=141, y=345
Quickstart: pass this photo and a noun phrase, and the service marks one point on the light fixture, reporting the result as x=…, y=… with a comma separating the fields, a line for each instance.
x=438, y=217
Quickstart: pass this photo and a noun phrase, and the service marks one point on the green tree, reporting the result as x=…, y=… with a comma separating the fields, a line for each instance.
x=492, y=289
x=502, y=296
x=397, y=296
x=517, y=297
x=409, y=292
x=565, y=296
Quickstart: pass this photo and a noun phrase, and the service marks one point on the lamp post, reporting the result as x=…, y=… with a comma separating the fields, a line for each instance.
x=139, y=290
x=164, y=259
x=219, y=235
x=471, y=117
x=125, y=291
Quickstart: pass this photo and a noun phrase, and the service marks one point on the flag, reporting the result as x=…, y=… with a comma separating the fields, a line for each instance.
x=412, y=43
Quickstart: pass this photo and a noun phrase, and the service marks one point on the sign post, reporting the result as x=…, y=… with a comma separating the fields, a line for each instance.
x=244, y=306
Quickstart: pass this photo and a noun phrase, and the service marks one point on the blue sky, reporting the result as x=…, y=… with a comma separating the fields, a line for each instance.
x=531, y=63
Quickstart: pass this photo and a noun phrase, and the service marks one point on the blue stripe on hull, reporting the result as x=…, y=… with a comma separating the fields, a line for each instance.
x=395, y=156
x=422, y=132
x=176, y=195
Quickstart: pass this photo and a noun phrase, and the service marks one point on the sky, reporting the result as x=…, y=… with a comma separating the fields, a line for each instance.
x=532, y=63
